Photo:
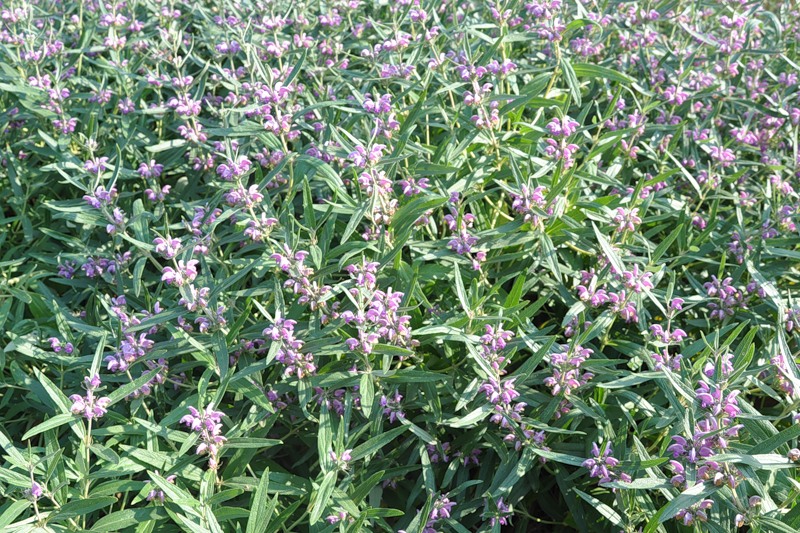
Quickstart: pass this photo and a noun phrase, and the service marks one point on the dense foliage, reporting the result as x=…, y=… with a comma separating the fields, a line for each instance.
x=408, y=265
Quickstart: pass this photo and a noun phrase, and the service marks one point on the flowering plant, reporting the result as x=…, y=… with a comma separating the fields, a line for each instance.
x=420, y=266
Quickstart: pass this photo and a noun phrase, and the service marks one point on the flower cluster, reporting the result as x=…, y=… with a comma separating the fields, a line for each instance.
x=310, y=292
x=567, y=374
x=493, y=342
x=557, y=146
x=604, y=466
x=442, y=508
x=289, y=351
x=695, y=513
x=392, y=406
x=725, y=299
x=532, y=205
x=90, y=406
x=378, y=316
x=208, y=425
x=463, y=241
x=621, y=302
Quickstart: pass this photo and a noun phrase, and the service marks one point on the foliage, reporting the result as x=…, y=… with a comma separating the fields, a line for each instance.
x=420, y=266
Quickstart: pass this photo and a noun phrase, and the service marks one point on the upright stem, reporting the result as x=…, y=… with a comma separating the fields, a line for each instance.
x=87, y=457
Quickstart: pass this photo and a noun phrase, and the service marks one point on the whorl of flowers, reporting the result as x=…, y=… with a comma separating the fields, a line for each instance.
x=208, y=425
x=90, y=406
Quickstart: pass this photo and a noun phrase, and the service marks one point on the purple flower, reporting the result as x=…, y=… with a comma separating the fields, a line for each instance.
x=442, y=508
x=637, y=281
x=89, y=405
x=96, y=165
x=492, y=343
x=566, y=368
x=604, y=466
x=336, y=518
x=208, y=423
x=621, y=304
x=57, y=347
x=666, y=336
x=241, y=197
x=502, y=515
x=67, y=269
x=151, y=169
x=159, y=379
x=666, y=361
x=383, y=104
x=185, y=273
x=391, y=406
x=365, y=274
x=725, y=298
x=101, y=197
x=157, y=493
x=696, y=513
x=341, y=461
x=184, y=106
x=234, y=168
x=563, y=127
x=258, y=230
x=36, y=491
x=531, y=204
x=693, y=449
x=438, y=453
x=499, y=393
x=131, y=349
x=289, y=353
x=627, y=220
x=168, y=248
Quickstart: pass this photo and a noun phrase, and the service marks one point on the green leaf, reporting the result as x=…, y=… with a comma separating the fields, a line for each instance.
x=364, y=488
x=610, y=253
x=251, y=442
x=376, y=443
x=166, y=145
x=383, y=512
x=355, y=220
x=81, y=507
x=367, y=390
x=418, y=431
x=221, y=349
x=572, y=80
x=297, y=66
x=60, y=401
x=503, y=481
x=321, y=496
x=610, y=514
x=470, y=419
x=664, y=245
x=559, y=457
x=13, y=511
x=104, y=453
x=639, y=484
x=764, y=461
x=586, y=70
x=50, y=423
x=120, y=520
x=686, y=499
x=772, y=525
x=774, y=442
x=324, y=438
x=178, y=496
x=260, y=510
x=461, y=291
x=129, y=388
